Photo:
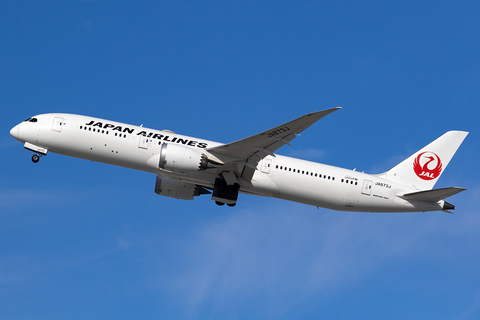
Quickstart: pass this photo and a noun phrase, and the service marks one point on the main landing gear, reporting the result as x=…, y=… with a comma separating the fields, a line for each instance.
x=224, y=193
x=223, y=203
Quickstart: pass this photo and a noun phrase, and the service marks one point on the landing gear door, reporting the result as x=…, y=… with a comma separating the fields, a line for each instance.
x=57, y=124
x=367, y=187
x=266, y=164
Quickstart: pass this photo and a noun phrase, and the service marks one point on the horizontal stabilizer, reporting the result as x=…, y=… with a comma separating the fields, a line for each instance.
x=432, y=195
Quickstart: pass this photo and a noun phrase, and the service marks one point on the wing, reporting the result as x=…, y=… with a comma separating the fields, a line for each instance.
x=242, y=156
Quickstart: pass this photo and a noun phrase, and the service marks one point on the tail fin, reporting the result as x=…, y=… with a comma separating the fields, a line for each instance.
x=423, y=169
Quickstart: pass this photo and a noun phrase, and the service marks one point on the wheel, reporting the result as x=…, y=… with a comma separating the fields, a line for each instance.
x=35, y=158
x=231, y=204
x=219, y=203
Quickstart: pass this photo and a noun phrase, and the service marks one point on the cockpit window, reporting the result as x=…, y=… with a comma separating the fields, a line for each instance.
x=33, y=120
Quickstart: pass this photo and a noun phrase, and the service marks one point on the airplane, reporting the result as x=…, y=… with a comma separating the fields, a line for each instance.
x=186, y=167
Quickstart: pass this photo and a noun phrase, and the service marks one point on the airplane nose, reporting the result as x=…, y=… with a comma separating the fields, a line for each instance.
x=14, y=131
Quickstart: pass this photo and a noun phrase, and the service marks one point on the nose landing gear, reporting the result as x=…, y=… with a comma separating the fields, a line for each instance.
x=39, y=151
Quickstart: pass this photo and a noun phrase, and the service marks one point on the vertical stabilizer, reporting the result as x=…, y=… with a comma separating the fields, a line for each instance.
x=423, y=169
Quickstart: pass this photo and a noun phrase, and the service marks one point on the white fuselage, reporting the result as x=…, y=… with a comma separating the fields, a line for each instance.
x=275, y=176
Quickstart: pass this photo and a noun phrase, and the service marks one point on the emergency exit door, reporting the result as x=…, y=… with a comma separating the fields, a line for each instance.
x=265, y=167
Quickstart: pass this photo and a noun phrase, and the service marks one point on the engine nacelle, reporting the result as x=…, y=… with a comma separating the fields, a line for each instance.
x=178, y=189
x=181, y=159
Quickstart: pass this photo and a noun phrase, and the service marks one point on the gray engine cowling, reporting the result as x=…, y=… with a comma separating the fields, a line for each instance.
x=181, y=159
x=178, y=189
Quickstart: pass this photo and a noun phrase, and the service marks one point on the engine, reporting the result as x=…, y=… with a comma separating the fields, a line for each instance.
x=181, y=159
x=178, y=189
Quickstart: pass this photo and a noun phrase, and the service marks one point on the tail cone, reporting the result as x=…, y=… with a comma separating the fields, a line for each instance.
x=448, y=206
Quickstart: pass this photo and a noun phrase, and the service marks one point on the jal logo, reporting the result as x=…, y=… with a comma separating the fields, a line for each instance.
x=427, y=165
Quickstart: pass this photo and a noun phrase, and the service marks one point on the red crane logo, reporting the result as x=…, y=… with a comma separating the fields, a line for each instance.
x=427, y=165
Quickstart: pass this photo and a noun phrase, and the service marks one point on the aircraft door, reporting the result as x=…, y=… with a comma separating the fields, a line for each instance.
x=57, y=124
x=143, y=143
x=265, y=166
x=367, y=187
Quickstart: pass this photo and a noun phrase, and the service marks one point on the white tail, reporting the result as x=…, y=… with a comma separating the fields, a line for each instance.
x=423, y=169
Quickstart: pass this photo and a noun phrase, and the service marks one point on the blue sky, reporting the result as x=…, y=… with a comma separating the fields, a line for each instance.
x=80, y=239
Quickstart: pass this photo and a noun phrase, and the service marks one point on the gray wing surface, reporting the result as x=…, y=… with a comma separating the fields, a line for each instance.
x=242, y=156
